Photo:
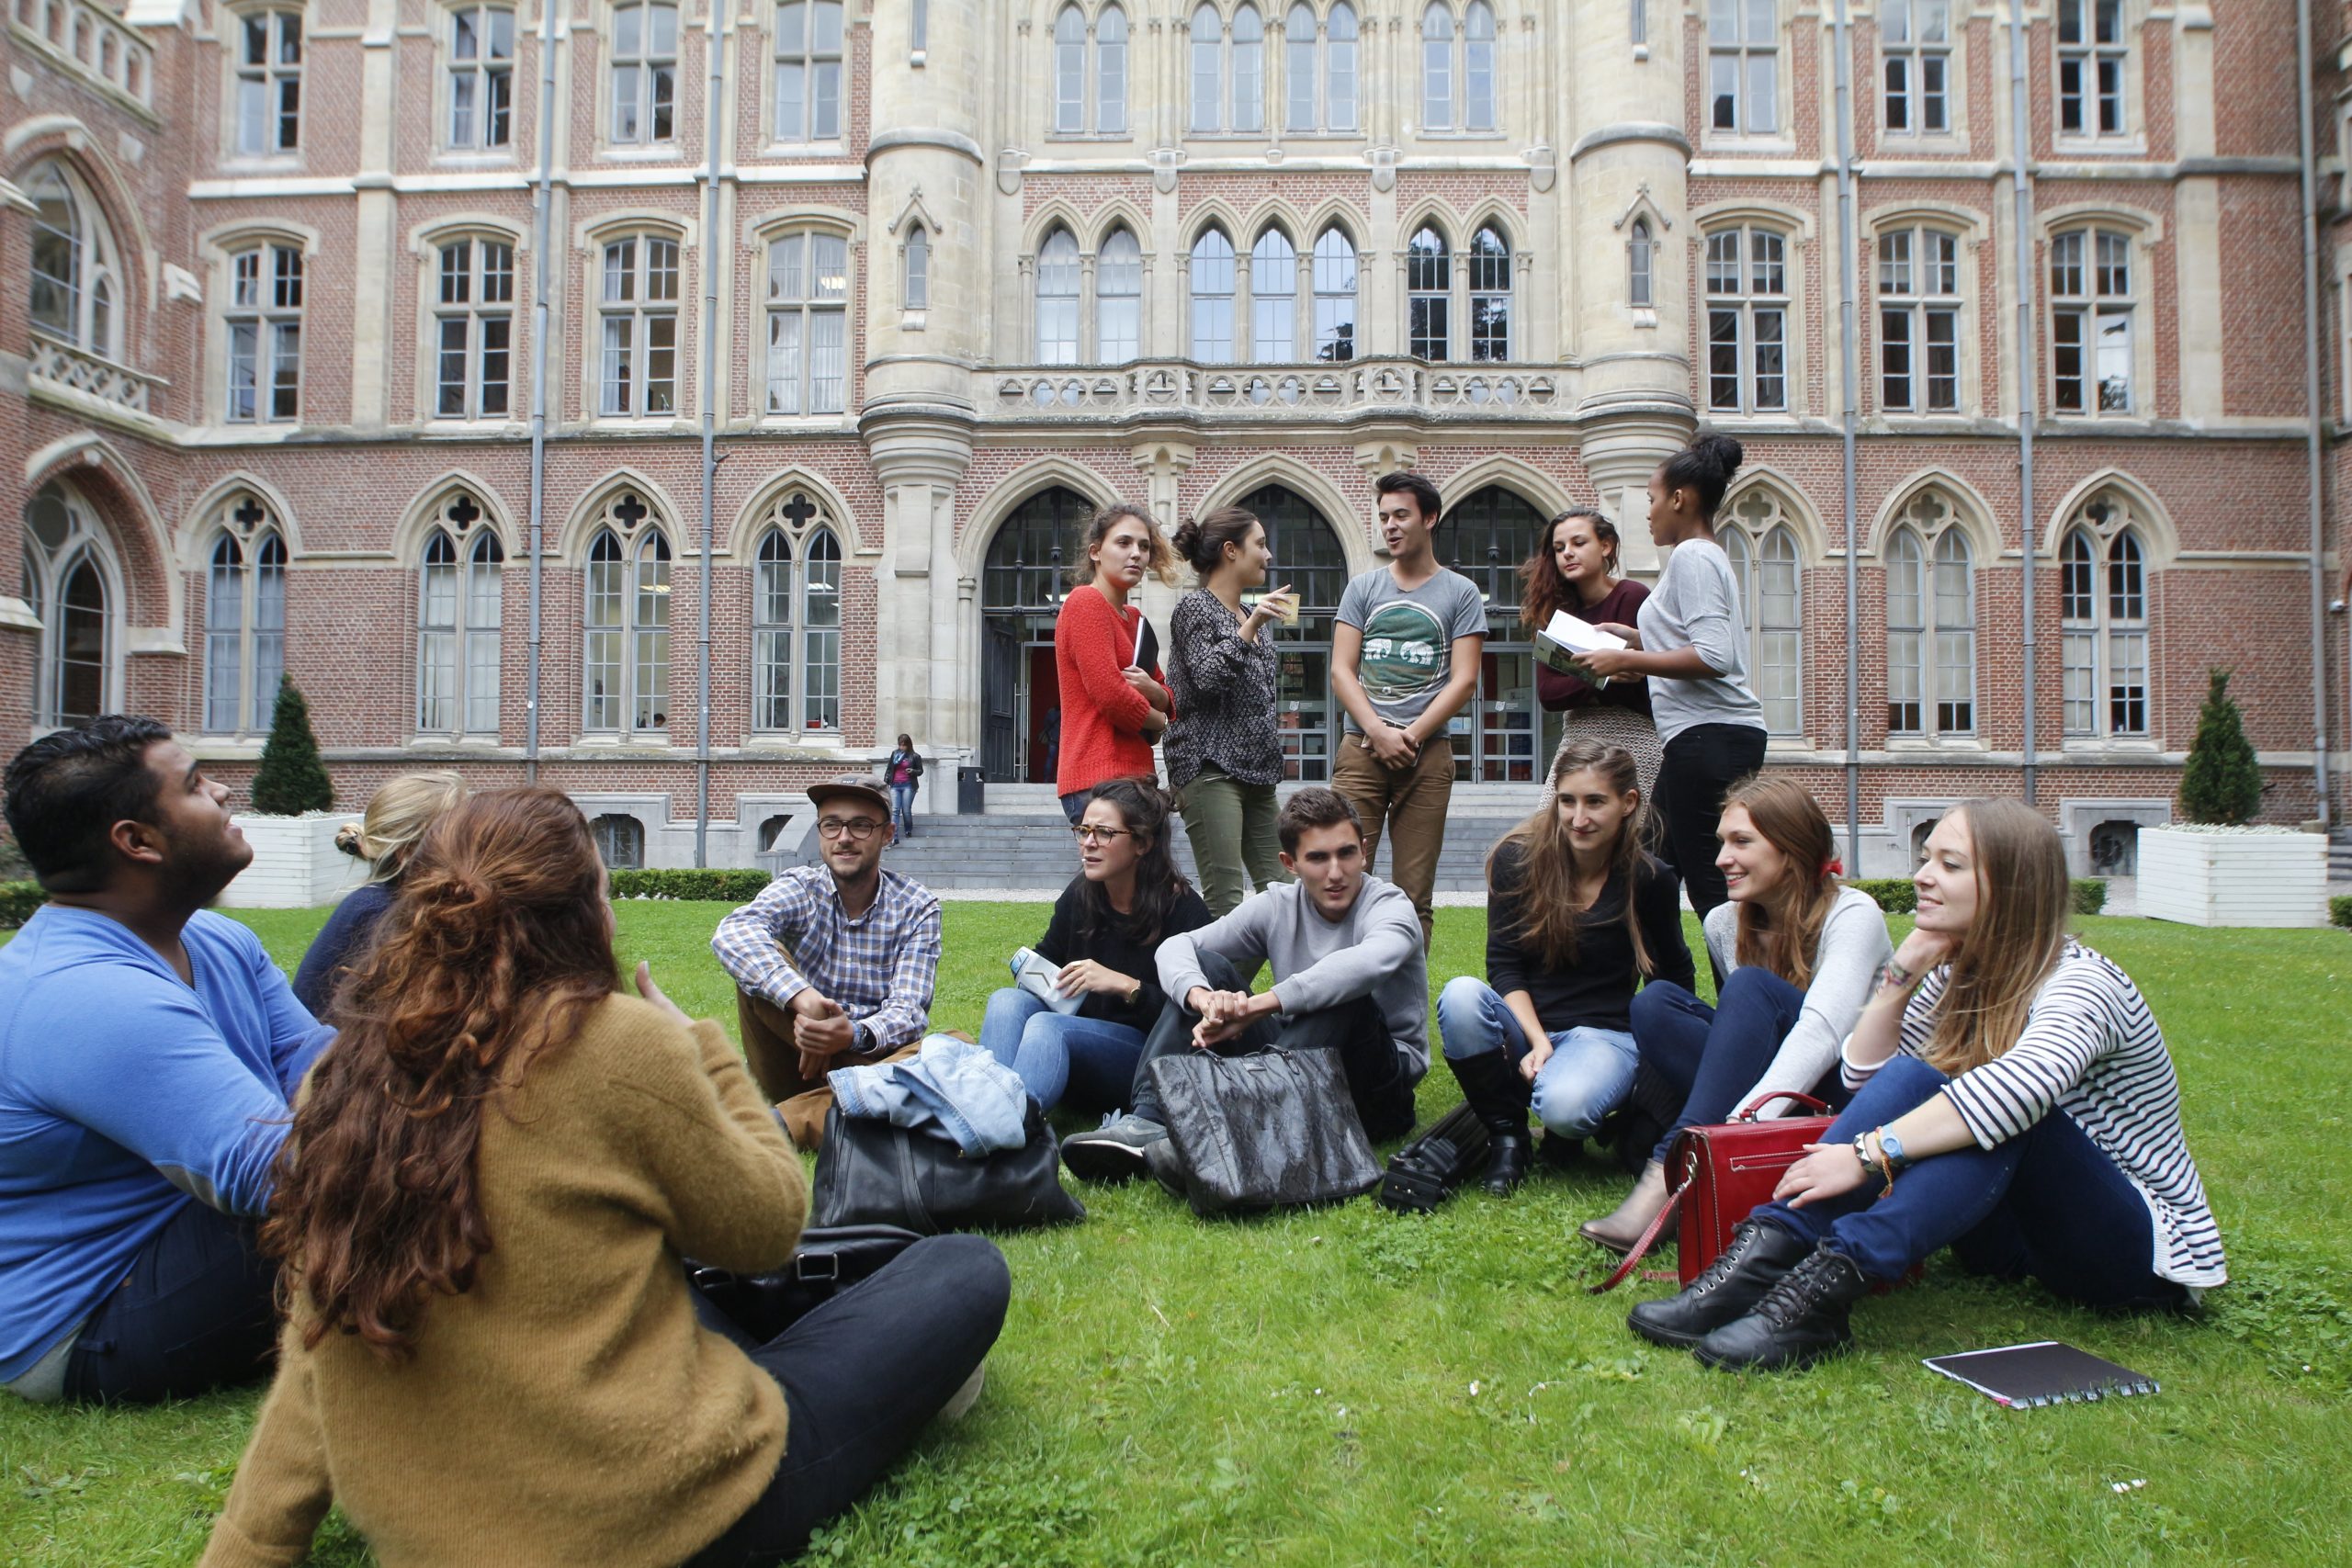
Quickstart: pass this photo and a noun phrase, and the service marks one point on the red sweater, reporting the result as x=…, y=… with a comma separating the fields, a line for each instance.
x=1101, y=714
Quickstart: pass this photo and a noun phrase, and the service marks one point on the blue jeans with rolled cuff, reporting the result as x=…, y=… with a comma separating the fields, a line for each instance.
x=1088, y=1061
x=1585, y=1078
x=1711, y=1056
x=902, y=807
x=2048, y=1203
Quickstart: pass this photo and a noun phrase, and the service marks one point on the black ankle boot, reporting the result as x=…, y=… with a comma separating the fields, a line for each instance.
x=1759, y=1255
x=1800, y=1320
x=1499, y=1097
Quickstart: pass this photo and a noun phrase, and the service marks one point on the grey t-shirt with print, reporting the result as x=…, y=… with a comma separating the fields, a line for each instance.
x=1408, y=637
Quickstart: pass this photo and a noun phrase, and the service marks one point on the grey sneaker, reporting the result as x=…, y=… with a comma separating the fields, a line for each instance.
x=1167, y=1167
x=965, y=1396
x=1113, y=1152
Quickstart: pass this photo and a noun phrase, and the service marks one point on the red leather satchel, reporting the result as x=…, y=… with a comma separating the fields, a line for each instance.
x=1720, y=1173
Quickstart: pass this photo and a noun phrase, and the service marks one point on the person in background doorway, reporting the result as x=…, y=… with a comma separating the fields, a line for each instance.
x=1403, y=659
x=1225, y=755
x=1574, y=567
x=385, y=836
x=903, y=771
x=1691, y=643
x=1114, y=704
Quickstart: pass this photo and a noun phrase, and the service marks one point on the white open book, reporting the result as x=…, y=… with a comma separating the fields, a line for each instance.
x=1036, y=976
x=1559, y=643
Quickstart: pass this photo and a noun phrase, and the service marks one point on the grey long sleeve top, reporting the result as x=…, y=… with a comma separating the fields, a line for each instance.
x=1374, y=950
x=1853, y=945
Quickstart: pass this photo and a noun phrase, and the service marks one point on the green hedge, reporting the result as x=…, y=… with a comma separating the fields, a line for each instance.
x=17, y=902
x=712, y=885
x=1896, y=896
x=2339, y=908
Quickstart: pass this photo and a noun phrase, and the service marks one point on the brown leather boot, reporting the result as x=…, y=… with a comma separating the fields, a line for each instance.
x=1621, y=1229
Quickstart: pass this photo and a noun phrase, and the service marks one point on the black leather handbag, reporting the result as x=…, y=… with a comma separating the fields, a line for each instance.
x=1269, y=1130
x=826, y=1263
x=874, y=1172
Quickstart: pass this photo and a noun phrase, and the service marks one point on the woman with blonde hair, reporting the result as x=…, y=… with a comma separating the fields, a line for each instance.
x=2012, y=1099
x=491, y=1351
x=1794, y=951
x=385, y=837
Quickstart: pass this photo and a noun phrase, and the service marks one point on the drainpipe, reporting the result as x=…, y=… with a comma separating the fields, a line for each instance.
x=2021, y=134
x=2310, y=170
x=1848, y=307
x=542, y=196
x=713, y=97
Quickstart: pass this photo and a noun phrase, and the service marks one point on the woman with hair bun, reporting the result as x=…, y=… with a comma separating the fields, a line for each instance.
x=491, y=1351
x=1691, y=643
x=1225, y=752
x=1574, y=567
x=1795, y=950
x=385, y=837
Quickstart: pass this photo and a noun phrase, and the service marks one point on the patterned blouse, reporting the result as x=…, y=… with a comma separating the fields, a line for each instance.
x=1224, y=695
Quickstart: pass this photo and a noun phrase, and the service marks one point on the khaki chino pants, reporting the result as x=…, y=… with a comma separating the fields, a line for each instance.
x=1408, y=805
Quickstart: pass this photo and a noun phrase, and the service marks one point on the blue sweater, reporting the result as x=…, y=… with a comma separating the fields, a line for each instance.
x=124, y=1095
x=346, y=933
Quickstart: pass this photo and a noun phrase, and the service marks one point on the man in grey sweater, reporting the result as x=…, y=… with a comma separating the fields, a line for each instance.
x=1350, y=976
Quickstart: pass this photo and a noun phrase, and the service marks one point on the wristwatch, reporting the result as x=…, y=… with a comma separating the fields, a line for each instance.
x=1134, y=993
x=1891, y=1147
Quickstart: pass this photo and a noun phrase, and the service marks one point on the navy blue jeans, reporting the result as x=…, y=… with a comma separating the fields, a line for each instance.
x=1711, y=1056
x=196, y=1312
x=2049, y=1204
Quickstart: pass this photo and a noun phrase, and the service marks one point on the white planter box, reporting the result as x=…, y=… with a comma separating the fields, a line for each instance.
x=2232, y=878
x=295, y=864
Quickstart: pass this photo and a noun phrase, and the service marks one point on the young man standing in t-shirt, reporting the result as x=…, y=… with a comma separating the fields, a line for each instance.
x=1403, y=659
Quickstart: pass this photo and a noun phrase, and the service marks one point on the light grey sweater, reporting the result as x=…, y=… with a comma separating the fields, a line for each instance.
x=1853, y=945
x=1374, y=950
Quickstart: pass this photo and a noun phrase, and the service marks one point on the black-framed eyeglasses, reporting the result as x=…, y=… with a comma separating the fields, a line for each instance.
x=1087, y=833
x=858, y=828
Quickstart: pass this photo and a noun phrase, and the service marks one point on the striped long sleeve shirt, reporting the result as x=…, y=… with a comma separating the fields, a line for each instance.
x=2091, y=1049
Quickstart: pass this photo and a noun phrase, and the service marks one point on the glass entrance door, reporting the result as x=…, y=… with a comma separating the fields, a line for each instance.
x=1307, y=557
x=1497, y=735
x=1021, y=596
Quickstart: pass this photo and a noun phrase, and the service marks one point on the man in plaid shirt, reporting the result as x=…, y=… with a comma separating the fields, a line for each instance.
x=833, y=962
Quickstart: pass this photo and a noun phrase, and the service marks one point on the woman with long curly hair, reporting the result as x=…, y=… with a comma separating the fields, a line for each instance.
x=1795, y=950
x=1577, y=916
x=2012, y=1099
x=492, y=1353
x=1574, y=567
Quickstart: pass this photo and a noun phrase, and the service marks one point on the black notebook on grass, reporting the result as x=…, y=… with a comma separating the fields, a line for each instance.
x=2047, y=1371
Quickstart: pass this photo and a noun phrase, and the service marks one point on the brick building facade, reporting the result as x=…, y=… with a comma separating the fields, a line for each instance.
x=284, y=286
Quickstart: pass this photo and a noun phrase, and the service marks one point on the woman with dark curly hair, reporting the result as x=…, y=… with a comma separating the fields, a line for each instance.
x=492, y=1354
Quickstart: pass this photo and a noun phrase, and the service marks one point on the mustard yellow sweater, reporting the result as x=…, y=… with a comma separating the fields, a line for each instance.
x=568, y=1409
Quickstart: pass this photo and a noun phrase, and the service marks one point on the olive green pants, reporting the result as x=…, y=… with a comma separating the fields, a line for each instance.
x=1231, y=825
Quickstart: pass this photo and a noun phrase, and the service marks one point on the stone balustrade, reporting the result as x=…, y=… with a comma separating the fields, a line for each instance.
x=64, y=366
x=1044, y=394
x=91, y=41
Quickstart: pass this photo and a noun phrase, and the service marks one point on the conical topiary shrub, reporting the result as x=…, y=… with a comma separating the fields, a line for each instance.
x=2221, y=783
x=292, y=780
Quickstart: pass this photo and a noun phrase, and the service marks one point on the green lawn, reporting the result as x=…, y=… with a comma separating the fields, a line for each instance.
x=1351, y=1387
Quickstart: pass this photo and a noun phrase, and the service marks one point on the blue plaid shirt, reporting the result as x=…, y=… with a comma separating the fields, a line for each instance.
x=880, y=967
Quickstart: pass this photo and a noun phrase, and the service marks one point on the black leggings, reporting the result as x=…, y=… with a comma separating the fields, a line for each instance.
x=861, y=1375
x=1699, y=766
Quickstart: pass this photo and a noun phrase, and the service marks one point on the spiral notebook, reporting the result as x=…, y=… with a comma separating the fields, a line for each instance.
x=2047, y=1371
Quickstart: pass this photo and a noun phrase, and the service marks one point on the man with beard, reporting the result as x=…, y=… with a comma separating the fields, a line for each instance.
x=833, y=963
x=149, y=1053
